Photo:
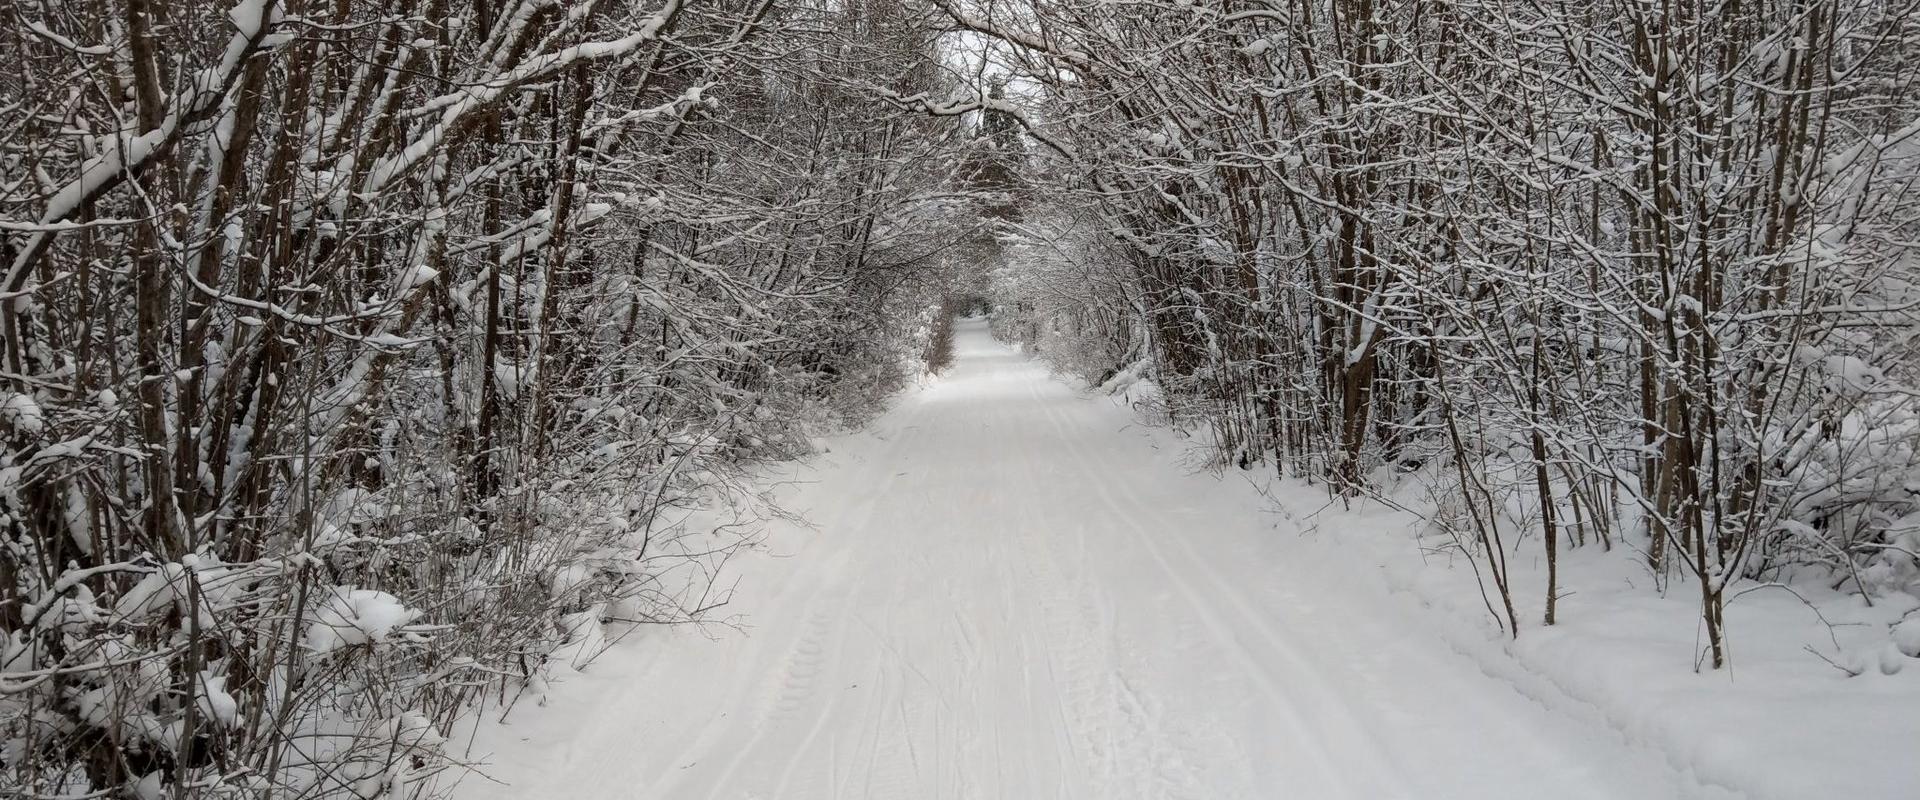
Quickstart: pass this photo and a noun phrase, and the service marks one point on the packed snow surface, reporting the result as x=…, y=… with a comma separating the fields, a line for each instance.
x=1011, y=592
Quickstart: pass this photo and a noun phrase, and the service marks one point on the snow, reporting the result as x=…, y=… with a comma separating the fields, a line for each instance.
x=1852, y=375
x=214, y=701
x=1906, y=636
x=1781, y=723
x=1012, y=590
x=408, y=742
x=41, y=30
x=163, y=588
x=350, y=617
x=415, y=278
x=585, y=639
x=23, y=413
x=149, y=787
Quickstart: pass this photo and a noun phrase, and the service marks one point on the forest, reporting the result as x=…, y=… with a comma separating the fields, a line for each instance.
x=363, y=361
x=1607, y=273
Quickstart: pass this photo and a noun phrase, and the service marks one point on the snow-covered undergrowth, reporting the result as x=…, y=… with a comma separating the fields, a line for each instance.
x=1808, y=706
x=361, y=361
x=329, y=667
x=373, y=619
x=1673, y=313
x=334, y=663
x=1819, y=672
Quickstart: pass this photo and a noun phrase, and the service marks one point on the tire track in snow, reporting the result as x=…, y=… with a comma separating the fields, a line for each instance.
x=1078, y=646
x=1310, y=729
x=1160, y=755
x=852, y=532
x=801, y=662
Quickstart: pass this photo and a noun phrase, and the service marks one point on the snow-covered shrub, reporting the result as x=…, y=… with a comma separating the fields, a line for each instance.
x=1615, y=287
x=360, y=363
x=1058, y=292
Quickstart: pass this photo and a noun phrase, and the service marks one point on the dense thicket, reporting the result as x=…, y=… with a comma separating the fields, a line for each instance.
x=360, y=358
x=1624, y=272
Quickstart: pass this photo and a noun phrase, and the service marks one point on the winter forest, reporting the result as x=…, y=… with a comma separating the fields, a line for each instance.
x=388, y=386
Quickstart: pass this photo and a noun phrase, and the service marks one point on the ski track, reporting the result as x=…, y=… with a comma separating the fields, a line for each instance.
x=1005, y=594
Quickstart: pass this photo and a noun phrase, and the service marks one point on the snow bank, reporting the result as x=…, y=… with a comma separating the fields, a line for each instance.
x=1785, y=721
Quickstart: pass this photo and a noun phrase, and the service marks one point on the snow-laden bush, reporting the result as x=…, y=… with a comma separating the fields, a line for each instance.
x=360, y=364
x=1678, y=308
x=1058, y=293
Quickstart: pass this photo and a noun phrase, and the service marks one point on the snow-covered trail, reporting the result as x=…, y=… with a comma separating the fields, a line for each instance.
x=1010, y=594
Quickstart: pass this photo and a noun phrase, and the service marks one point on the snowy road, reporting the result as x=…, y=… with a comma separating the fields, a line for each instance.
x=1011, y=594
